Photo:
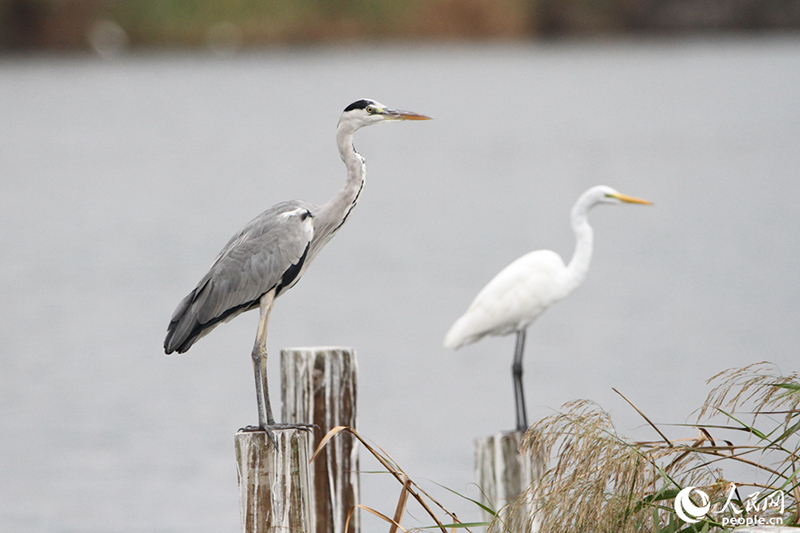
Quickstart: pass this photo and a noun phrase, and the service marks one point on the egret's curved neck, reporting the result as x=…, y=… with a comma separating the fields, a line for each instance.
x=334, y=213
x=578, y=266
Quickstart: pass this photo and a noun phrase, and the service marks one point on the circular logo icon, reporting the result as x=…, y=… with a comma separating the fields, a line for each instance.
x=687, y=510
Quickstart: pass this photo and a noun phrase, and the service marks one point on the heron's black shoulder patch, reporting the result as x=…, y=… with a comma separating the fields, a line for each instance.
x=360, y=104
x=291, y=273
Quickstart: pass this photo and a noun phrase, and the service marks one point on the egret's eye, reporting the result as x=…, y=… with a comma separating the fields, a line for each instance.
x=370, y=109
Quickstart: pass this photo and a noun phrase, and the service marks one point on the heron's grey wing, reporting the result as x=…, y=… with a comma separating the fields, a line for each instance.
x=268, y=253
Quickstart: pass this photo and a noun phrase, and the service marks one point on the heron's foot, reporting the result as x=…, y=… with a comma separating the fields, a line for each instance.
x=303, y=427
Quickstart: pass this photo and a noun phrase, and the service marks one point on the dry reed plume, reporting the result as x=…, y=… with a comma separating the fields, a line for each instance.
x=598, y=481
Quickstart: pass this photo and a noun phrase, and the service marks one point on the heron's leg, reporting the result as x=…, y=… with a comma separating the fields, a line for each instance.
x=519, y=393
x=266, y=422
x=262, y=419
x=267, y=404
x=259, y=356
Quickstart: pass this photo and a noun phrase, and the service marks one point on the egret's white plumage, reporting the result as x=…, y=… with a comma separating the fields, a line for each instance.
x=511, y=300
x=523, y=290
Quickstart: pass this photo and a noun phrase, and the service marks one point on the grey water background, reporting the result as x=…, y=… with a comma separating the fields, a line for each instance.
x=120, y=181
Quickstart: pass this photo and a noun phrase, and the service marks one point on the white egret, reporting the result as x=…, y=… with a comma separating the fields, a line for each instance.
x=523, y=290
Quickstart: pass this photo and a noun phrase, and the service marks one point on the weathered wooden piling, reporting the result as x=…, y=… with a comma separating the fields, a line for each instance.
x=319, y=388
x=274, y=482
x=501, y=471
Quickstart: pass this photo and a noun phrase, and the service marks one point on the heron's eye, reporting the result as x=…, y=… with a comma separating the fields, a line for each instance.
x=370, y=109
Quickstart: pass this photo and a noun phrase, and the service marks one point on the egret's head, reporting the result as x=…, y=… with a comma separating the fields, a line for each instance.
x=365, y=112
x=606, y=195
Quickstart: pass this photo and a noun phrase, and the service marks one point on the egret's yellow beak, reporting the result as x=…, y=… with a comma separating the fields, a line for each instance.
x=631, y=199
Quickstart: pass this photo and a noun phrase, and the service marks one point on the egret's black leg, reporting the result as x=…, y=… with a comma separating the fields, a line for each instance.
x=519, y=393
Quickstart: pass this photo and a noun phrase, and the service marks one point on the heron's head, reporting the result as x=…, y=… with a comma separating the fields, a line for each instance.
x=365, y=112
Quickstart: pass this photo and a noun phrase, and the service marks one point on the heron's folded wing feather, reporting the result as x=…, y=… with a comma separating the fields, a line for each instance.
x=252, y=264
x=267, y=252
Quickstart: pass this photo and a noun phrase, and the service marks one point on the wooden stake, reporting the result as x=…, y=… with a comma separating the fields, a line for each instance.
x=273, y=483
x=319, y=388
x=501, y=471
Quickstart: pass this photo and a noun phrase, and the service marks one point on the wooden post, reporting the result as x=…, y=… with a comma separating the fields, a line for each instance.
x=273, y=483
x=319, y=388
x=501, y=471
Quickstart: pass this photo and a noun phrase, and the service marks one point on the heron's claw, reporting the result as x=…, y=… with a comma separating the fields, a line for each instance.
x=303, y=427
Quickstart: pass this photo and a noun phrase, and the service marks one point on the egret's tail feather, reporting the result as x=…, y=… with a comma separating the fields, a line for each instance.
x=458, y=335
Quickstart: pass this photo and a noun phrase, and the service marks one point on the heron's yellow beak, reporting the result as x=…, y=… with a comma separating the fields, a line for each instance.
x=631, y=199
x=397, y=114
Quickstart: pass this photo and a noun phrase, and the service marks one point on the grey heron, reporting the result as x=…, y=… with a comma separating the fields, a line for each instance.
x=523, y=290
x=270, y=254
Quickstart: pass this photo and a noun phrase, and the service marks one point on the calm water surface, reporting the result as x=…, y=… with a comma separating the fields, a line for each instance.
x=120, y=181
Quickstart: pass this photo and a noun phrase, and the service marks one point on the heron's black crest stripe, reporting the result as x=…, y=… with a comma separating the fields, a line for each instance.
x=361, y=104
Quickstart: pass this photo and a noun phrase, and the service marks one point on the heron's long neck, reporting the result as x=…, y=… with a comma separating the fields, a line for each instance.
x=334, y=213
x=578, y=266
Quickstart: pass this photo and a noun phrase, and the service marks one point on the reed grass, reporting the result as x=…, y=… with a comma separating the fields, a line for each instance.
x=442, y=519
x=599, y=481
